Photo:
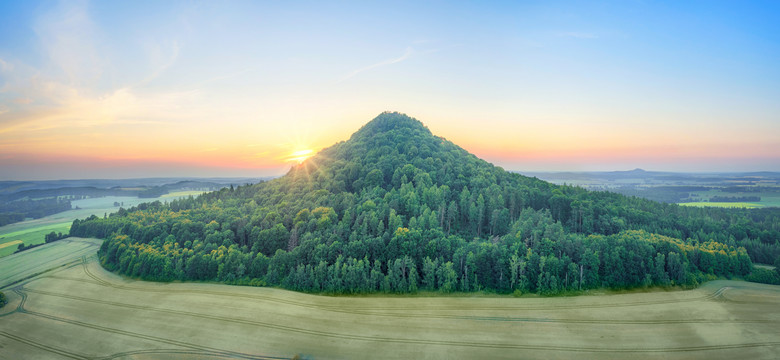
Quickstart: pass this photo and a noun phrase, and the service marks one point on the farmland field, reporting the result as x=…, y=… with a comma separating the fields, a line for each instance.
x=32, y=231
x=180, y=194
x=724, y=204
x=78, y=310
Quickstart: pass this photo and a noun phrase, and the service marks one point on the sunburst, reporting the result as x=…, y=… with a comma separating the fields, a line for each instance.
x=300, y=156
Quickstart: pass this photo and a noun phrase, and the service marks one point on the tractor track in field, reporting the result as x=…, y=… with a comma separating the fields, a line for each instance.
x=199, y=348
x=41, y=346
x=373, y=310
x=416, y=315
x=56, y=261
x=366, y=337
x=195, y=349
x=180, y=352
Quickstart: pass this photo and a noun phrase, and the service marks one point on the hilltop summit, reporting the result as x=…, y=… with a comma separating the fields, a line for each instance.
x=389, y=121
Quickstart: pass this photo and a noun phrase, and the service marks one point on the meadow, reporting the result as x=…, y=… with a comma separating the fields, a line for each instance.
x=73, y=308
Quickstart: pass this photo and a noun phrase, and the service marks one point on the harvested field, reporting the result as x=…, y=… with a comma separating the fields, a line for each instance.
x=80, y=311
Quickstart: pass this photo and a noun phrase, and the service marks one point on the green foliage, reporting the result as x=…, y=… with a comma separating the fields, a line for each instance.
x=764, y=276
x=54, y=236
x=777, y=265
x=3, y=299
x=396, y=209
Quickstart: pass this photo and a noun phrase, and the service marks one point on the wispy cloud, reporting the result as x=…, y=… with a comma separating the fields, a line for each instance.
x=66, y=90
x=408, y=53
x=161, y=59
x=69, y=41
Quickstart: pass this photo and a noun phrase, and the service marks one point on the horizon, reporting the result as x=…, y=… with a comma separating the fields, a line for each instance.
x=110, y=90
x=274, y=176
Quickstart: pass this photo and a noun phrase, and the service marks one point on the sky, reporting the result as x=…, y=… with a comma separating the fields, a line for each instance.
x=126, y=89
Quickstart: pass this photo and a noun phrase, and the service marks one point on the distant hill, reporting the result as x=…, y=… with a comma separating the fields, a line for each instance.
x=20, y=200
x=671, y=187
x=398, y=209
x=650, y=176
x=10, y=190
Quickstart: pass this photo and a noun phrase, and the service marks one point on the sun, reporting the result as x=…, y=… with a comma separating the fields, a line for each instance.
x=300, y=156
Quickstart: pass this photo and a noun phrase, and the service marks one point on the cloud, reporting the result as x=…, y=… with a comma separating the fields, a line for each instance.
x=71, y=109
x=406, y=55
x=161, y=59
x=69, y=40
x=67, y=89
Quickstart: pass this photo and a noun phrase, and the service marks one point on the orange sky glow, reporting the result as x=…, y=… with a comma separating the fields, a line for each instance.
x=103, y=90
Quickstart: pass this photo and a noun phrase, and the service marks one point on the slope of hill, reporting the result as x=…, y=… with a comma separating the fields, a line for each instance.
x=398, y=209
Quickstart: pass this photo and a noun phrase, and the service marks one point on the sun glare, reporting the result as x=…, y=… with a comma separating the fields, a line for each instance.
x=300, y=155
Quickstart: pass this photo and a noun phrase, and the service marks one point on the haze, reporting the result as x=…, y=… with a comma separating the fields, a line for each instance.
x=137, y=89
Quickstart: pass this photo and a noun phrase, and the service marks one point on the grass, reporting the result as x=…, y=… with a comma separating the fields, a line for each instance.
x=181, y=194
x=29, y=236
x=41, y=259
x=11, y=243
x=724, y=204
x=770, y=198
x=70, y=309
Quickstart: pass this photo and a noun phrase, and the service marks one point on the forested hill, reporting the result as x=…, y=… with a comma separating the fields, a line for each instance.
x=397, y=209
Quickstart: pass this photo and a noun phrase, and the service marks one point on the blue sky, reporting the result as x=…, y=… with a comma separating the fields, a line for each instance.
x=132, y=89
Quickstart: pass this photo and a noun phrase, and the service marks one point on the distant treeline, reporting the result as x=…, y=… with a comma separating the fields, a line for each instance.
x=92, y=191
x=744, y=189
x=665, y=194
x=18, y=210
x=37, y=203
x=680, y=194
x=85, y=191
x=735, y=199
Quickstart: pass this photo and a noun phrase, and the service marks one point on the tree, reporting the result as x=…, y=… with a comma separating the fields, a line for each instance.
x=448, y=279
x=676, y=270
x=429, y=273
x=777, y=265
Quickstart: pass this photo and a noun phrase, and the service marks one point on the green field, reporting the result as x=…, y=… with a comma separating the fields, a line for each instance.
x=78, y=310
x=40, y=259
x=724, y=204
x=33, y=231
x=768, y=198
x=181, y=194
x=32, y=235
